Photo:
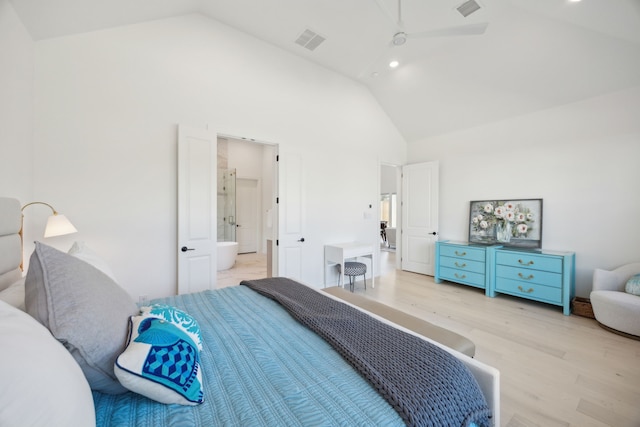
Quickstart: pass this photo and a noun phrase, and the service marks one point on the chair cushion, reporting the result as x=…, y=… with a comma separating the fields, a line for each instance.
x=617, y=310
x=633, y=285
x=352, y=268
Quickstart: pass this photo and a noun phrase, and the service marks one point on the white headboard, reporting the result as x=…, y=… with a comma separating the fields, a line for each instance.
x=10, y=241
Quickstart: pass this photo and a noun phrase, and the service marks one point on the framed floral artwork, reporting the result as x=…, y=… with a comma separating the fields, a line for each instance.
x=514, y=223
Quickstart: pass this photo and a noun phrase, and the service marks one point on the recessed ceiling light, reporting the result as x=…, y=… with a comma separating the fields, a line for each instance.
x=393, y=64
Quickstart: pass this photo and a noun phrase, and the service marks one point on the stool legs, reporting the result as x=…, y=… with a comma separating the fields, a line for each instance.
x=352, y=282
x=352, y=270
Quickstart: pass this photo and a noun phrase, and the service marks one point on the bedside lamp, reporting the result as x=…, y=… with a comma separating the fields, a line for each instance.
x=57, y=224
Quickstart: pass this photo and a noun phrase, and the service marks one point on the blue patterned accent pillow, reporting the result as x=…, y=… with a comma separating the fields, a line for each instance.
x=176, y=316
x=633, y=285
x=160, y=362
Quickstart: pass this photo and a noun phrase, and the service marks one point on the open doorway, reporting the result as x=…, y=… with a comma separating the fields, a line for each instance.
x=389, y=213
x=246, y=206
x=390, y=218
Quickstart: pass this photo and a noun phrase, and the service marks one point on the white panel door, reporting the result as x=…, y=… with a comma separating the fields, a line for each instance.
x=247, y=215
x=291, y=226
x=197, y=163
x=419, y=216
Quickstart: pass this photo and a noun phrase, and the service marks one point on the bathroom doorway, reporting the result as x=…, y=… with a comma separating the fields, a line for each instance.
x=247, y=207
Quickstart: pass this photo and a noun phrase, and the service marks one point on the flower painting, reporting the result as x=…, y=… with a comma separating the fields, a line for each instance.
x=516, y=223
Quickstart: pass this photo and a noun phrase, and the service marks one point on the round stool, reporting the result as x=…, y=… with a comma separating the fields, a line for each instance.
x=353, y=270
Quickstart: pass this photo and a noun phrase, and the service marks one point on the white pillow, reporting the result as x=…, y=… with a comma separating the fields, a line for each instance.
x=161, y=362
x=41, y=383
x=81, y=251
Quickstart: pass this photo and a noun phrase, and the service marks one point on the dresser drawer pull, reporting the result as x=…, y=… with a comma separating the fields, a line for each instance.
x=529, y=277
x=525, y=263
x=528, y=291
x=463, y=265
x=460, y=253
x=463, y=276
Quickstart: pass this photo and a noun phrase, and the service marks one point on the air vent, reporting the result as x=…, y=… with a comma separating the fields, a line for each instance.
x=468, y=7
x=309, y=39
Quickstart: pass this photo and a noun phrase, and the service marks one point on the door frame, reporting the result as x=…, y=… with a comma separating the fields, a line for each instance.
x=400, y=249
x=213, y=132
x=220, y=133
x=398, y=213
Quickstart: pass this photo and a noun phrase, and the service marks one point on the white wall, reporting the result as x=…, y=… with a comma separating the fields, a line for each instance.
x=107, y=107
x=388, y=177
x=581, y=158
x=16, y=106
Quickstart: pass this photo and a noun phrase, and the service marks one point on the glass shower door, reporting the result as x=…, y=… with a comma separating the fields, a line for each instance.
x=227, y=205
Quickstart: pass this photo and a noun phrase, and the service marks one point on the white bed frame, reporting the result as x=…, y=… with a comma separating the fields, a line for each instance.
x=11, y=249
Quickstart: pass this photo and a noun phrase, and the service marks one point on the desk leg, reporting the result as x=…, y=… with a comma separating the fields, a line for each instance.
x=373, y=276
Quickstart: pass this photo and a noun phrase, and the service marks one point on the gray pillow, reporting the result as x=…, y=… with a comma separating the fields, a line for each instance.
x=83, y=308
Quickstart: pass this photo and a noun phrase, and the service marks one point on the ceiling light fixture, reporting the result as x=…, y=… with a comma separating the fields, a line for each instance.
x=393, y=64
x=399, y=39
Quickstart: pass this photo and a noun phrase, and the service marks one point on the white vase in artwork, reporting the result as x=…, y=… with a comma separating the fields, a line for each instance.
x=503, y=231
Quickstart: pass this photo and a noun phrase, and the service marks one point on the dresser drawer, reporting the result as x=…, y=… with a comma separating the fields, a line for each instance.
x=525, y=275
x=461, y=276
x=463, y=264
x=531, y=261
x=529, y=290
x=464, y=252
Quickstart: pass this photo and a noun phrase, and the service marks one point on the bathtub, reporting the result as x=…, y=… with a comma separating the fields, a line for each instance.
x=227, y=252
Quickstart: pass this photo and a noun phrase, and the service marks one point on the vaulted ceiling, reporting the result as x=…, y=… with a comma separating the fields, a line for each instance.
x=532, y=55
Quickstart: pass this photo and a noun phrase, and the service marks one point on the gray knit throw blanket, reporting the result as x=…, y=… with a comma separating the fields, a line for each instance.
x=426, y=385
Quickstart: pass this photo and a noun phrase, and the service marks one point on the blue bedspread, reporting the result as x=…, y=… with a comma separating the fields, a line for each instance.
x=425, y=384
x=260, y=368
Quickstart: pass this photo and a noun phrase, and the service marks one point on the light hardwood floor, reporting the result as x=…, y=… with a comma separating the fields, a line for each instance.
x=555, y=370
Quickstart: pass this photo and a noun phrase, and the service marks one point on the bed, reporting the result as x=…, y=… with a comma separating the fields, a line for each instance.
x=267, y=352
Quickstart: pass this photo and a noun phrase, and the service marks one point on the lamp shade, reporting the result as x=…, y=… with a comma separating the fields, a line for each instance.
x=58, y=225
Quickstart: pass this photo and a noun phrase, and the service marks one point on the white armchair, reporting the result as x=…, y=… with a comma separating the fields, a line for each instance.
x=391, y=237
x=612, y=306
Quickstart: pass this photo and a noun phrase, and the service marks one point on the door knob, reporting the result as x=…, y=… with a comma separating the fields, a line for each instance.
x=434, y=233
x=301, y=239
x=185, y=249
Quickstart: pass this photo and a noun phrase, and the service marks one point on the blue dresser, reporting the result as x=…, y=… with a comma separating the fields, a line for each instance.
x=540, y=275
x=463, y=263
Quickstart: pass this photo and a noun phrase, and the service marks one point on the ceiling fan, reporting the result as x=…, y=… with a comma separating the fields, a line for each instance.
x=400, y=36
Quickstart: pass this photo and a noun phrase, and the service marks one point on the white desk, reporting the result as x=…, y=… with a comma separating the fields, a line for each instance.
x=338, y=253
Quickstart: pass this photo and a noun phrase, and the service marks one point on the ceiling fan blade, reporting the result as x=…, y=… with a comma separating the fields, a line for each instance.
x=462, y=30
x=387, y=13
x=395, y=21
